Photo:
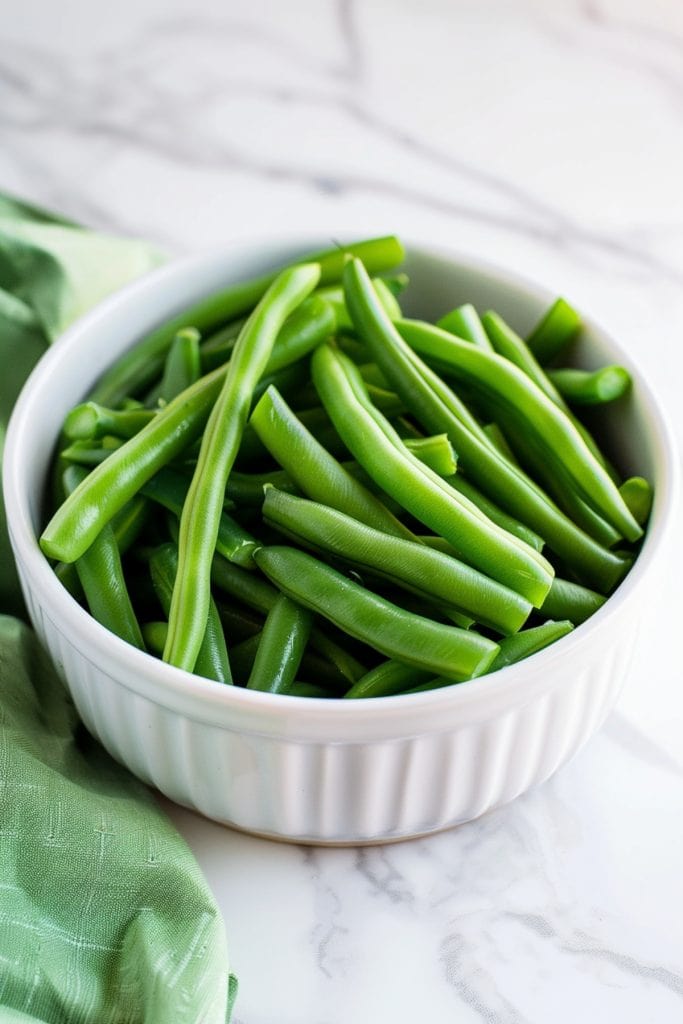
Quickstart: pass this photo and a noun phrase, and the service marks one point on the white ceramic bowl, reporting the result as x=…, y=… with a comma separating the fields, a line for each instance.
x=305, y=769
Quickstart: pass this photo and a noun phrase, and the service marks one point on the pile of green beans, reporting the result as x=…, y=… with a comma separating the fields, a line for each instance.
x=293, y=488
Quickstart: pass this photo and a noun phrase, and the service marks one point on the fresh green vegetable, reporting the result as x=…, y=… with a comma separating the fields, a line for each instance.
x=200, y=519
x=416, y=473
x=399, y=634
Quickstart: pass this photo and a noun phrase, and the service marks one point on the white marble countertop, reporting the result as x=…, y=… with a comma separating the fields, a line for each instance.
x=546, y=136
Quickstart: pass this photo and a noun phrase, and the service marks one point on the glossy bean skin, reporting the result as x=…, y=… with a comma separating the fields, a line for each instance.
x=100, y=574
x=556, y=329
x=435, y=405
x=200, y=518
x=440, y=577
x=141, y=365
x=370, y=438
x=212, y=661
x=314, y=471
x=399, y=634
x=281, y=647
x=508, y=387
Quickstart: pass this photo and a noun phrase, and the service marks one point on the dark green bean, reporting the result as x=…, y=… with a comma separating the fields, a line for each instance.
x=101, y=575
x=212, y=661
x=281, y=647
x=169, y=489
x=399, y=634
x=255, y=592
x=429, y=572
x=567, y=600
x=386, y=679
x=154, y=635
x=529, y=641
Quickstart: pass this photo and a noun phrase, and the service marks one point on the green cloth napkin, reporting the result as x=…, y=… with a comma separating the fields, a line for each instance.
x=105, y=917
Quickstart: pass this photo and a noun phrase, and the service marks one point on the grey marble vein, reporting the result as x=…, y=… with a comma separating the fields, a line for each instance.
x=580, y=944
x=149, y=119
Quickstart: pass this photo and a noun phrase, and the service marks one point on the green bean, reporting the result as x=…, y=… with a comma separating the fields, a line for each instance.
x=238, y=623
x=101, y=575
x=154, y=635
x=500, y=442
x=314, y=471
x=464, y=322
x=169, y=489
x=434, y=404
x=559, y=485
x=508, y=343
x=386, y=679
x=559, y=326
x=300, y=688
x=584, y=387
x=77, y=522
x=638, y=495
x=507, y=387
x=199, y=522
x=494, y=512
x=90, y=421
x=212, y=660
x=90, y=453
x=182, y=367
x=281, y=647
x=255, y=592
x=435, y=452
x=475, y=539
x=439, y=683
x=247, y=488
x=138, y=367
x=391, y=630
x=406, y=563
x=529, y=641
x=567, y=600
x=217, y=348
x=242, y=657
x=335, y=297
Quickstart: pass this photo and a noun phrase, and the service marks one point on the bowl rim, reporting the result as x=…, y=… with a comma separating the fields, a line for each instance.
x=512, y=685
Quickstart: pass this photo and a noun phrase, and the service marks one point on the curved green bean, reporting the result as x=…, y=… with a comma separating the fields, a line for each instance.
x=446, y=650
x=509, y=388
x=212, y=659
x=101, y=575
x=199, y=522
x=370, y=438
x=435, y=405
x=281, y=647
x=142, y=364
x=421, y=568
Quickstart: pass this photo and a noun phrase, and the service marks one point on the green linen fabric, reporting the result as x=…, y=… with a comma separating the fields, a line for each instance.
x=105, y=917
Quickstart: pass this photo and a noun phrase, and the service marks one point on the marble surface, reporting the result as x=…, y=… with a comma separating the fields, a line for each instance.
x=546, y=135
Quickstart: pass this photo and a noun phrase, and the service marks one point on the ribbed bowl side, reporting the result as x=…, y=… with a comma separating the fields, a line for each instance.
x=346, y=791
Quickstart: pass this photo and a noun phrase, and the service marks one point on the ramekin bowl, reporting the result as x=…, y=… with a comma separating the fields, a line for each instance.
x=305, y=769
